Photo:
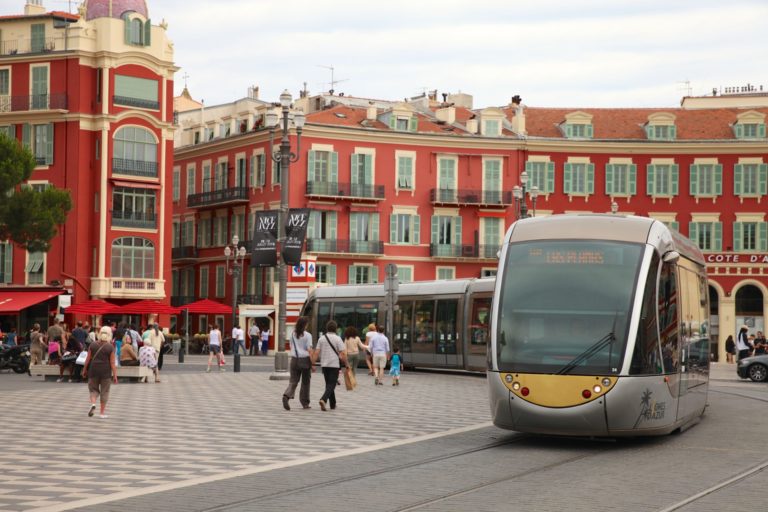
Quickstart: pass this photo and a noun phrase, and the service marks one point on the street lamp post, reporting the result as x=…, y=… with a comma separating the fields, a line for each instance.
x=284, y=159
x=234, y=258
x=519, y=193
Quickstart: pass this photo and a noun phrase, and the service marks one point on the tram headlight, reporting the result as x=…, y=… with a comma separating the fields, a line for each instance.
x=508, y=378
x=597, y=389
x=606, y=382
x=516, y=386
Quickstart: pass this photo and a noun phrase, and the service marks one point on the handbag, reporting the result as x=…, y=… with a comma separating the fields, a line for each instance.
x=350, y=381
x=302, y=363
x=81, y=358
x=68, y=357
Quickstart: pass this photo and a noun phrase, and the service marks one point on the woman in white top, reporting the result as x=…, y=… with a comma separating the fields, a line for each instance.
x=214, y=342
x=301, y=364
x=333, y=355
x=156, y=339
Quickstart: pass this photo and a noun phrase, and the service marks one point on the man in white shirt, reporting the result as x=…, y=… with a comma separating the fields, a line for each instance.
x=238, y=340
x=379, y=347
x=255, y=336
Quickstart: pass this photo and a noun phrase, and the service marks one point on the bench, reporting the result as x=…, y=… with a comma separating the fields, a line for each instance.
x=124, y=373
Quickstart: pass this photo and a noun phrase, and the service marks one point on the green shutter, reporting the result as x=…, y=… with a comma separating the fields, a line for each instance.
x=675, y=178
x=719, y=180
x=529, y=168
x=49, y=144
x=550, y=177
x=650, y=180
x=332, y=274
x=590, y=178
x=351, y=276
x=393, y=228
x=693, y=232
x=588, y=131
x=674, y=225
x=608, y=179
x=435, y=221
x=763, y=231
x=136, y=88
x=354, y=165
x=26, y=135
x=694, y=176
x=762, y=174
x=761, y=130
x=568, y=131
x=353, y=226
x=738, y=130
x=374, y=235
x=262, y=170
x=252, y=172
x=673, y=132
x=127, y=29
x=392, y=121
x=457, y=232
x=413, y=123
x=148, y=33
x=374, y=274
x=737, y=228
x=314, y=218
x=632, y=179
x=718, y=246
x=416, y=220
x=334, y=174
x=738, y=173
x=648, y=132
x=566, y=178
x=8, y=267
x=310, y=167
x=333, y=222
x=38, y=37
x=368, y=162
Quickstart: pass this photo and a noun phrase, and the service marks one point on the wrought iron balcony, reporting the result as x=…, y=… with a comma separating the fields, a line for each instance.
x=56, y=101
x=125, y=101
x=345, y=246
x=453, y=251
x=217, y=197
x=182, y=300
x=488, y=251
x=249, y=299
x=134, y=167
x=479, y=197
x=184, y=253
x=128, y=219
x=36, y=45
x=345, y=190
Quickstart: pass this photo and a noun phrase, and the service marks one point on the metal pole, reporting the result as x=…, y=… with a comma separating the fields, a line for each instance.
x=285, y=162
x=235, y=284
x=523, y=205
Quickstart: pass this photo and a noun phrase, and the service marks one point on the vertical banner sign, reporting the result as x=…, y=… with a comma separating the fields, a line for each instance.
x=295, y=232
x=264, y=248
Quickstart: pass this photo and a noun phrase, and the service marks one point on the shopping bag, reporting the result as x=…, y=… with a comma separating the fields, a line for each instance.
x=221, y=361
x=349, y=379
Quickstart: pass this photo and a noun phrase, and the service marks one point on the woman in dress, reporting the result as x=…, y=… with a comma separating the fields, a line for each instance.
x=333, y=355
x=101, y=371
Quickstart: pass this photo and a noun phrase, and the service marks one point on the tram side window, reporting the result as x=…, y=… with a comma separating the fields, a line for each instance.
x=355, y=314
x=424, y=317
x=646, y=358
x=402, y=326
x=447, y=314
x=481, y=310
x=668, y=327
x=323, y=315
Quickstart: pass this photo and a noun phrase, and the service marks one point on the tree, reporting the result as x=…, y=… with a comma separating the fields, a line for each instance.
x=28, y=217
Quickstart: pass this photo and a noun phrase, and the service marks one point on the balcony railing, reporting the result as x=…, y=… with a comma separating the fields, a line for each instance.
x=351, y=190
x=55, y=101
x=125, y=101
x=127, y=219
x=488, y=251
x=36, y=45
x=463, y=251
x=249, y=299
x=184, y=253
x=345, y=246
x=481, y=197
x=227, y=195
x=134, y=167
x=178, y=301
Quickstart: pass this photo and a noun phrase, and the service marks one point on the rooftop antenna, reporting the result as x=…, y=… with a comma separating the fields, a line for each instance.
x=685, y=85
x=185, y=76
x=333, y=80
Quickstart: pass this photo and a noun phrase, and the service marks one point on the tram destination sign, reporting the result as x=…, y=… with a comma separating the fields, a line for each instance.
x=732, y=257
x=566, y=256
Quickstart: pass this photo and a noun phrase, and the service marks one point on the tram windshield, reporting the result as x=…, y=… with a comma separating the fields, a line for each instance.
x=565, y=306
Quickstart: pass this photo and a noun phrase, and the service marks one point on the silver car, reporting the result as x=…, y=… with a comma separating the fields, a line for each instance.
x=754, y=368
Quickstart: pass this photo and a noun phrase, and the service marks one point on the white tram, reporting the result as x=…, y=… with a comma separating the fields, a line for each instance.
x=438, y=324
x=600, y=327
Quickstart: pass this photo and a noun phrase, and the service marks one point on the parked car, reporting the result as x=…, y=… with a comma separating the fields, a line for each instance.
x=754, y=368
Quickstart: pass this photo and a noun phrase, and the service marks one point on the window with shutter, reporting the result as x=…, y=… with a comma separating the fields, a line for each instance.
x=6, y=262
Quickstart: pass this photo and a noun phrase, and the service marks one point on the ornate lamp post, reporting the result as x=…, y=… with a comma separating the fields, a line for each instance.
x=234, y=258
x=521, y=203
x=284, y=158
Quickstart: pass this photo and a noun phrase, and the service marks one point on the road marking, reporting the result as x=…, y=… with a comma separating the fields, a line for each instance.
x=133, y=493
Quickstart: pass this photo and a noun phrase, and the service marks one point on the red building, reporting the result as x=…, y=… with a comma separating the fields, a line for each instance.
x=428, y=185
x=92, y=96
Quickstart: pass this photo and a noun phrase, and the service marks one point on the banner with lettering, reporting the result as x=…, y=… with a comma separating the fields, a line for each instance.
x=264, y=246
x=295, y=232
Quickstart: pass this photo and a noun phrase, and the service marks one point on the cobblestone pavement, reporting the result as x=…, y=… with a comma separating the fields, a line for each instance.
x=197, y=427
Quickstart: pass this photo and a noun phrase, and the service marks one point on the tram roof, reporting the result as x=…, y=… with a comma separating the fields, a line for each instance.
x=440, y=287
x=621, y=228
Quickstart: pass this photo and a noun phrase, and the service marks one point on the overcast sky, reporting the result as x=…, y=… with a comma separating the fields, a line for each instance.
x=565, y=53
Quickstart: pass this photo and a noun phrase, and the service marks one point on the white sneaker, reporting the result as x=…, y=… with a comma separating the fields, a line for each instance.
x=59, y=380
x=103, y=416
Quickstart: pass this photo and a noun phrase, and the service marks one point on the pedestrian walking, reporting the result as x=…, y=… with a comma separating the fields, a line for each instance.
x=238, y=340
x=37, y=345
x=370, y=332
x=301, y=364
x=395, y=365
x=353, y=346
x=255, y=336
x=101, y=371
x=332, y=355
x=214, y=348
x=742, y=343
x=730, y=349
x=265, y=341
x=379, y=348
x=148, y=358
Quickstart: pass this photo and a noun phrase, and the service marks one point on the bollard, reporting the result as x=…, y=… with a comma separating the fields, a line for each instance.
x=181, y=350
x=237, y=362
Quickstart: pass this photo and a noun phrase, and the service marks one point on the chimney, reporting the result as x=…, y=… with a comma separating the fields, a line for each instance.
x=472, y=125
x=34, y=7
x=446, y=115
x=253, y=92
x=371, y=112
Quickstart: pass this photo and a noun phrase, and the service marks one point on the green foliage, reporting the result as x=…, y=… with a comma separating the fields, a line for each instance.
x=27, y=217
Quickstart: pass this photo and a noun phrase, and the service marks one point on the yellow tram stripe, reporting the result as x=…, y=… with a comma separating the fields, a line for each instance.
x=557, y=390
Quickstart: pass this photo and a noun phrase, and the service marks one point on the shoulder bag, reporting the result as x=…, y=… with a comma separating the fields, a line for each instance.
x=342, y=361
x=302, y=363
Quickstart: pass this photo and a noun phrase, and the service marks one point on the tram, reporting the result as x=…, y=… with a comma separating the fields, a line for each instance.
x=437, y=324
x=599, y=327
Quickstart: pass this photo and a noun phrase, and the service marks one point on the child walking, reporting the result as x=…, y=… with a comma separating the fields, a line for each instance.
x=395, y=365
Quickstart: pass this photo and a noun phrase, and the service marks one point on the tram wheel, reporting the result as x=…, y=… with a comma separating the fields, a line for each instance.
x=758, y=372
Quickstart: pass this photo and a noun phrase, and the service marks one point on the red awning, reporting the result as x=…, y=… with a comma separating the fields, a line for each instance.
x=13, y=302
x=137, y=184
x=92, y=307
x=207, y=306
x=146, y=307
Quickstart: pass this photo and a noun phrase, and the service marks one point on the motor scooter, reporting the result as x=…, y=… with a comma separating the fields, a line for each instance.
x=15, y=357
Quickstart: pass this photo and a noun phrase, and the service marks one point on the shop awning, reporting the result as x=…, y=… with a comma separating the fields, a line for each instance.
x=207, y=306
x=259, y=313
x=13, y=302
